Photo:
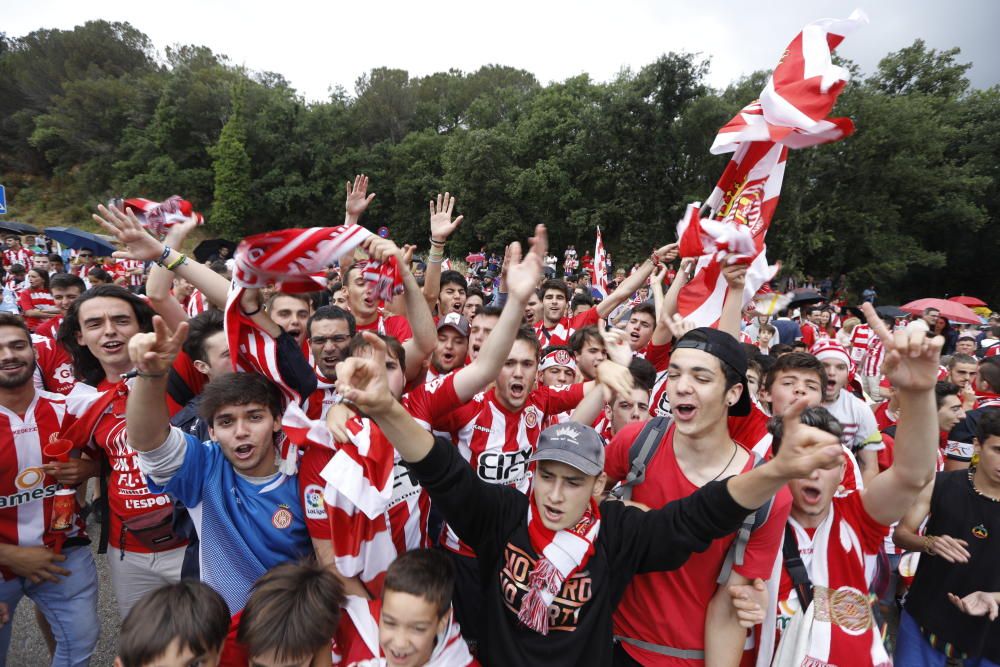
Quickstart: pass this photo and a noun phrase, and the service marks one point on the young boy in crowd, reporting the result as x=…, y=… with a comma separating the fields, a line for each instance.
x=413, y=624
x=177, y=625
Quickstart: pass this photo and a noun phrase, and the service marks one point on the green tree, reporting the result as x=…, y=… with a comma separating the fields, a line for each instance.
x=231, y=165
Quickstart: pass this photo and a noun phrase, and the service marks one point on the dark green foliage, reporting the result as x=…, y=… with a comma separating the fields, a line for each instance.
x=911, y=201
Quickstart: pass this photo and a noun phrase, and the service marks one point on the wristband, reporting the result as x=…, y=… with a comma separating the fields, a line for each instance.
x=163, y=256
x=177, y=262
x=252, y=313
x=436, y=243
x=929, y=545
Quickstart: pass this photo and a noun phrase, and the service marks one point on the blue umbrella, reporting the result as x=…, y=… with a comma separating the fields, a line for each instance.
x=77, y=239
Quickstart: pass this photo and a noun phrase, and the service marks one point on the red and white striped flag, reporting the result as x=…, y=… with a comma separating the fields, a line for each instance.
x=157, y=217
x=600, y=277
x=791, y=113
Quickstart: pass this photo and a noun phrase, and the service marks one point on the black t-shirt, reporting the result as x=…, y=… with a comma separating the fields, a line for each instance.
x=958, y=511
x=492, y=520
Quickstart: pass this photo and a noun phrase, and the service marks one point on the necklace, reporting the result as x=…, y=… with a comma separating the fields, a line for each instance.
x=726, y=467
x=972, y=472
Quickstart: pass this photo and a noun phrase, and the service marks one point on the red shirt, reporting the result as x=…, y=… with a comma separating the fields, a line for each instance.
x=50, y=328
x=20, y=256
x=128, y=495
x=393, y=325
x=26, y=492
x=30, y=299
x=561, y=332
x=654, y=604
x=53, y=366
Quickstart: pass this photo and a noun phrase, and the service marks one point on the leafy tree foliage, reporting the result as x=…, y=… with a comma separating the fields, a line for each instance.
x=910, y=202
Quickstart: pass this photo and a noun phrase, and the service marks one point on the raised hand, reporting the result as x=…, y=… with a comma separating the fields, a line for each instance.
x=668, y=253
x=381, y=249
x=805, y=448
x=911, y=358
x=442, y=225
x=617, y=349
x=136, y=241
x=154, y=353
x=735, y=273
x=362, y=379
x=749, y=601
x=678, y=326
x=523, y=274
x=979, y=603
x=615, y=377
x=357, y=198
x=176, y=234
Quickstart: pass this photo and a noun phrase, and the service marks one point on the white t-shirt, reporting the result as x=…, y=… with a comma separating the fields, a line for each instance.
x=860, y=429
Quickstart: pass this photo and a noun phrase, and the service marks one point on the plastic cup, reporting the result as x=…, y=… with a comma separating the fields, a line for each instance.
x=58, y=449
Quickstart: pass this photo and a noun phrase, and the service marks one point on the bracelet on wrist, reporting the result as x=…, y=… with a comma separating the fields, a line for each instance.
x=163, y=256
x=436, y=243
x=929, y=545
x=253, y=312
x=177, y=262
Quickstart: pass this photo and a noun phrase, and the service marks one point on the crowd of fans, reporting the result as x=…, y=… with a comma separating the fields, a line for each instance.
x=503, y=465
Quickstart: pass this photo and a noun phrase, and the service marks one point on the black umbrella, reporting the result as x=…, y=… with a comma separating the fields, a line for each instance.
x=804, y=296
x=891, y=311
x=77, y=239
x=210, y=247
x=19, y=228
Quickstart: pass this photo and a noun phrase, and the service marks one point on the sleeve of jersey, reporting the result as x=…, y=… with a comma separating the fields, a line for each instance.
x=584, y=319
x=749, y=430
x=435, y=403
x=764, y=542
x=481, y=514
x=871, y=532
x=659, y=356
x=663, y=539
x=311, y=486
x=560, y=399
x=184, y=483
x=616, y=463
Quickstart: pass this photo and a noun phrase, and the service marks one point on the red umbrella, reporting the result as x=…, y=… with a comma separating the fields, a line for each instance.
x=970, y=301
x=954, y=311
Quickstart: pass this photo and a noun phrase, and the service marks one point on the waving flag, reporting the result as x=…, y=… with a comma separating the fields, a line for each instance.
x=791, y=113
x=600, y=280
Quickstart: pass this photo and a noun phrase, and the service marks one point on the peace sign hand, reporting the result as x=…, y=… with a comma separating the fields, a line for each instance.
x=154, y=353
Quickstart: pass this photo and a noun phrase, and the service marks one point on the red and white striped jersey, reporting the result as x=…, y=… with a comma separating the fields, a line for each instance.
x=26, y=492
x=50, y=329
x=123, y=268
x=20, y=256
x=860, y=338
x=29, y=299
x=53, y=366
x=560, y=333
x=196, y=304
x=344, y=504
x=495, y=441
x=874, y=356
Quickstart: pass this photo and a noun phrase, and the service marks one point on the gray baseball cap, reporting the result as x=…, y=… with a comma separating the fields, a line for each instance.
x=574, y=444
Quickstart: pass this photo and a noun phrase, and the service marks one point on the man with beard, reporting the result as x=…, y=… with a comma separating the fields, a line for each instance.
x=63, y=583
x=245, y=510
x=329, y=331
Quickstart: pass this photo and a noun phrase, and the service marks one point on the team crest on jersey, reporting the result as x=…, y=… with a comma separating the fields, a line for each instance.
x=530, y=418
x=312, y=498
x=981, y=532
x=282, y=518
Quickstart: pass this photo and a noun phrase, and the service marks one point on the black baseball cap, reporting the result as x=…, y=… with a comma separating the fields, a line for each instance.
x=730, y=353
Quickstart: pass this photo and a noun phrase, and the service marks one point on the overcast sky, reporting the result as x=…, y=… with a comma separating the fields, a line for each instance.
x=323, y=44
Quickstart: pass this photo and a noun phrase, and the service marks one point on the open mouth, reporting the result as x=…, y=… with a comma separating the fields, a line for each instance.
x=113, y=347
x=516, y=390
x=395, y=657
x=684, y=411
x=811, y=495
x=552, y=514
x=243, y=452
x=13, y=366
x=447, y=358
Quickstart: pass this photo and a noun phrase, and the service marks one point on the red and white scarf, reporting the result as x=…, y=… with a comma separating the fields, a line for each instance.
x=292, y=260
x=158, y=217
x=563, y=553
x=359, y=488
